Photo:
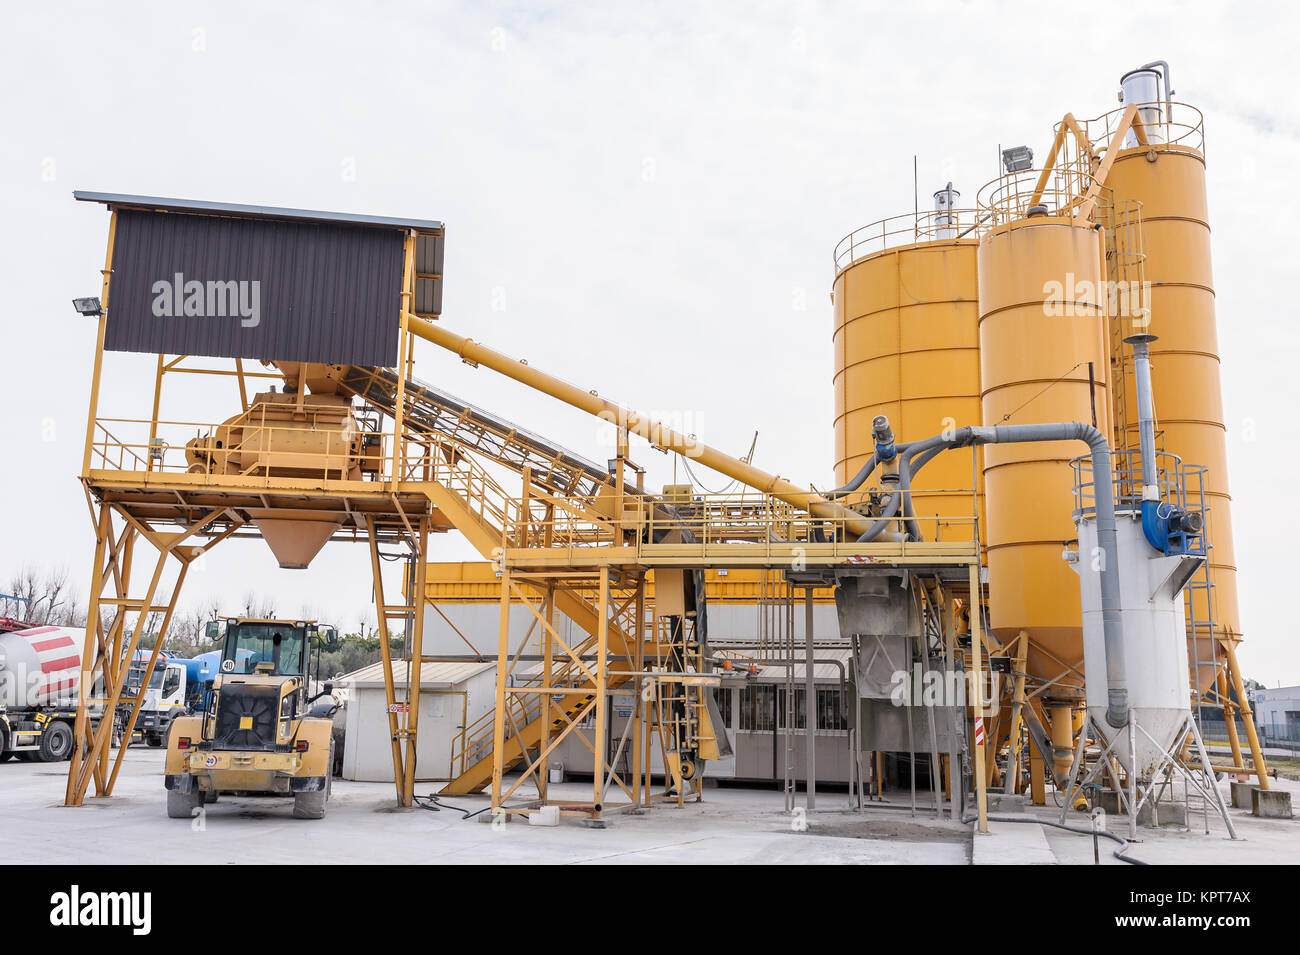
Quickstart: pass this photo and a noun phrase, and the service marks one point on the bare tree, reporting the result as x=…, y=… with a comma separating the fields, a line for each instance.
x=258, y=607
x=44, y=598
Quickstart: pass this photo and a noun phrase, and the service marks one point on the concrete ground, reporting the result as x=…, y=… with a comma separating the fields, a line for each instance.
x=731, y=826
x=1259, y=841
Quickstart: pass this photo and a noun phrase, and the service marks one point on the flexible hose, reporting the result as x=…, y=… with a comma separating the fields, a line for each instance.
x=437, y=806
x=1117, y=853
x=915, y=457
x=855, y=482
x=886, y=518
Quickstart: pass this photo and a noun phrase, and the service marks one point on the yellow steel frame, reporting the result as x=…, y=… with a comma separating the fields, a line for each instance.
x=134, y=496
x=572, y=551
x=551, y=549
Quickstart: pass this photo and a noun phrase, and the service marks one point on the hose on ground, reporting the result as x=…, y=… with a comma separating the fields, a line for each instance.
x=433, y=804
x=1124, y=844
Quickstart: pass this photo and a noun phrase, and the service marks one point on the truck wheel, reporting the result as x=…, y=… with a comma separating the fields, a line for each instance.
x=155, y=741
x=309, y=805
x=182, y=805
x=209, y=797
x=56, y=743
x=5, y=754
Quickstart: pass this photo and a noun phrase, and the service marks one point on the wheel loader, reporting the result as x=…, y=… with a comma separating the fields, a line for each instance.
x=255, y=736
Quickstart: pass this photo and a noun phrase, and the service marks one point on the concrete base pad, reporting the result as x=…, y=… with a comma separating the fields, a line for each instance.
x=1012, y=843
x=1241, y=794
x=1168, y=813
x=1271, y=803
x=1005, y=803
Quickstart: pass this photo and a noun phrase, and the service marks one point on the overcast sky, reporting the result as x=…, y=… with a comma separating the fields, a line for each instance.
x=642, y=198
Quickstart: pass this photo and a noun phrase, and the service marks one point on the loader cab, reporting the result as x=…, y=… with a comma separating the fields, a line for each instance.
x=268, y=647
x=274, y=648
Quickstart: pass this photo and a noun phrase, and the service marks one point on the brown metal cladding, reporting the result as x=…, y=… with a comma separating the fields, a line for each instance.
x=327, y=291
x=428, y=274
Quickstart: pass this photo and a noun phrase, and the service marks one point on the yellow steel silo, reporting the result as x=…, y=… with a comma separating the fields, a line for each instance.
x=1166, y=175
x=1042, y=322
x=907, y=346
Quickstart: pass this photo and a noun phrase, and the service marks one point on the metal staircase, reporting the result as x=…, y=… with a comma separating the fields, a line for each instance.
x=471, y=760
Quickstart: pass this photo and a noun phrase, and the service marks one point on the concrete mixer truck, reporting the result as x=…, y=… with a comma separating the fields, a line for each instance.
x=176, y=687
x=40, y=675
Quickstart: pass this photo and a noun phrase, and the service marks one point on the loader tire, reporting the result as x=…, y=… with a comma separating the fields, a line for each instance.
x=182, y=805
x=309, y=805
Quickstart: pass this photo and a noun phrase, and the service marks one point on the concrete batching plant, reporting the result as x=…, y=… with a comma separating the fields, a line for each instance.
x=1028, y=447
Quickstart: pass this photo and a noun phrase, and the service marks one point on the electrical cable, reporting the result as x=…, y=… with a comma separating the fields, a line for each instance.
x=700, y=484
x=748, y=458
x=1046, y=388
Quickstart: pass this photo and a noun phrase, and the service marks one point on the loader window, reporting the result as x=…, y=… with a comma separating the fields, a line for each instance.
x=279, y=644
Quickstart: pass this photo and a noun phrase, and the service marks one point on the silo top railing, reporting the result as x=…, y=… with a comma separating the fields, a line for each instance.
x=908, y=229
x=1013, y=196
x=1164, y=123
x=1077, y=159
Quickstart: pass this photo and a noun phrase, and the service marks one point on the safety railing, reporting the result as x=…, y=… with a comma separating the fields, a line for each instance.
x=1160, y=124
x=1126, y=480
x=1179, y=485
x=319, y=445
x=1014, y=196
x=1082, y=147
x=908, y=229
x=728, y=525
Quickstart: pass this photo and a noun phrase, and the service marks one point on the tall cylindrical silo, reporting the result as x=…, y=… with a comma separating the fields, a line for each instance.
x=1042, y=324
x=907, y=346
x=1166, y=177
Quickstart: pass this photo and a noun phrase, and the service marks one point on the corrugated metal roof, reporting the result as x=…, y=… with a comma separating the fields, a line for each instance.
x=431, y=674
x=157, y=203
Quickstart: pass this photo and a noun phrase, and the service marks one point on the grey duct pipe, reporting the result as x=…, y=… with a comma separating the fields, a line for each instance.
x=855, y=482
x=1146, y=411
x=908, y=469
x=1163, y=66
x=886, y=517
x=1104, y=501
